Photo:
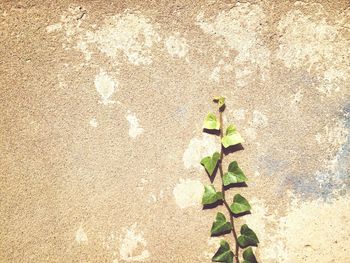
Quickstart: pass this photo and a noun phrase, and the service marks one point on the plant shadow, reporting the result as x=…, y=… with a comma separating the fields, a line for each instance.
x=213, y=176
x=241, y=214
x=235, y=185
x=213, y=205
x=233, y=148
x=213, y=132
x=222, y=233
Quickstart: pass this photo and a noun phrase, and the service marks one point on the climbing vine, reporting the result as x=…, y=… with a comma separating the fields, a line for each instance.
x=234, y=177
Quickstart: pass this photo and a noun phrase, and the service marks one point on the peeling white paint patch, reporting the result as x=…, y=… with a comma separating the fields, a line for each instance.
x=221, y=67
x=81, y=236
x=132, y=242
x=241, y=27
x=250, y=133
x=54, y=27
x=93, y=123
x=134, y=126
x=198, y=148
x=259, y=119
x=83, y=47
x=105, y=86
x=155, y=197
x=176, y=46
x=129, y=33
x=239, y=114
x=188, y=193
x=215, y=74
x=311, y=42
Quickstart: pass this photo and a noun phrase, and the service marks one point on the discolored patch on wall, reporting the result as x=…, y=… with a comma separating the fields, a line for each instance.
x=134, y=126
x=80, y=236
x=300, y=235
x=106, y=87
x=239, y=30
x=199, y=148
x=188, y=193
x=316, y=42
x=128, y=34
x=133, y=245
x=333, y=178
x=176, y=46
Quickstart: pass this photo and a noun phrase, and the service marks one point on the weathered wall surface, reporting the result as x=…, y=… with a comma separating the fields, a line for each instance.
x=102, y=105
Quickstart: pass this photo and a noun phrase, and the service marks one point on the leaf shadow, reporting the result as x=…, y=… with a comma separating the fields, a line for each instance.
x=250, y=245
x=233, y=148
x=213, y=205
x=241, y=214
x=243, y=184
x=213, y=132
x=221, y=233
x=213, y=176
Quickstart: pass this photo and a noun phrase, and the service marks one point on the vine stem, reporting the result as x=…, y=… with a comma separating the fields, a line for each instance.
x=223, y=189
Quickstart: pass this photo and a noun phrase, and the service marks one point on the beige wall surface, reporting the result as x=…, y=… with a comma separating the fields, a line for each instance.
x=102, y=104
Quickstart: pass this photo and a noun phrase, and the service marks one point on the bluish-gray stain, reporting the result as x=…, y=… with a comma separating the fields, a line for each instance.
x=271, y=165
x=326, y=184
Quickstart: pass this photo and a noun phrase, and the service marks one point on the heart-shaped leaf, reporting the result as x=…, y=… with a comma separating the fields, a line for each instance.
x=232, y=137
x=224, y=253
x=219, y=100
x=249, y=256
x=210, y=195
x=247, y=237
x=239, y=205
x=220, y=225
x=234, y=175
x=211, y=123
x=210, y=162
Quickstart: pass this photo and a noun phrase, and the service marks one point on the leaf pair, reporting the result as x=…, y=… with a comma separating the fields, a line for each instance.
x=210, y=195
x=224, y=254
x=232, y=136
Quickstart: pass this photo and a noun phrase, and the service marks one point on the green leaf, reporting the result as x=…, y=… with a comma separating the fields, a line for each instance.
x=234, y=175
x=220, y=225
x=211, y=123
x=239, y=205
x=210, y=162
x=220, y=100
x=247, y=237
x=249, y=256
x=210, y=195
x=232, y=137
x=224, y=254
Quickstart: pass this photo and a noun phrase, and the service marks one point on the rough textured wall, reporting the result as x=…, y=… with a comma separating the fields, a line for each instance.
x=102, y=105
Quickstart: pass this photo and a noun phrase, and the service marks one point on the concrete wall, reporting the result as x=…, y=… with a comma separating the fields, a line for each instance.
x=102, y=105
